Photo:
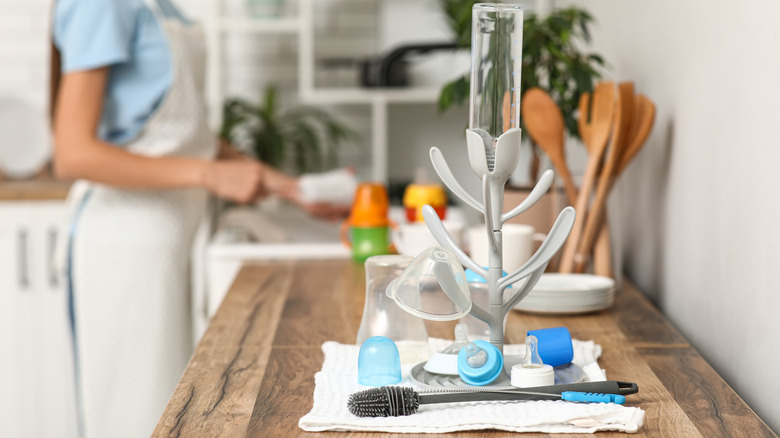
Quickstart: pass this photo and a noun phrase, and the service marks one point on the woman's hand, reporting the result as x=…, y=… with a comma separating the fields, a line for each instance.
x=237, y=180
x=277, y=183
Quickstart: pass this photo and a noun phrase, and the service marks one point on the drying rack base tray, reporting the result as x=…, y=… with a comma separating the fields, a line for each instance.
x=564, y=374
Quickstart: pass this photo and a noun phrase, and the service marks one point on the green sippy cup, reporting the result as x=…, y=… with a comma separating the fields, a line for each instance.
x=367, y=230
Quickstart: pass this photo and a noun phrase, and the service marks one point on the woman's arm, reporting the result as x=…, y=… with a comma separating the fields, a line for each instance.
x=78, y=153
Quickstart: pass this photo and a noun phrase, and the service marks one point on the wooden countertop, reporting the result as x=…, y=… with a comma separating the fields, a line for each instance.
x=252, y=374
x=42, y=187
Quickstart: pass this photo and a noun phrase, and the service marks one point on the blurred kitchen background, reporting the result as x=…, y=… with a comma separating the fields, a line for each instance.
x=693, y=219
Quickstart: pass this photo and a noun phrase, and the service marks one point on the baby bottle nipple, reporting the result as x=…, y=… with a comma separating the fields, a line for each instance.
x=461, y=339
x=480, y=363
x=532, y=371
x=475, y=356
x=532, y=358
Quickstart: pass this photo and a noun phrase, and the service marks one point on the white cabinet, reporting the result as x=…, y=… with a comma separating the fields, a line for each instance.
x=37, y=398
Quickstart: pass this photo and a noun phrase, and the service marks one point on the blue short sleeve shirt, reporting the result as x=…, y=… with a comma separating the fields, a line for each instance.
x=125, y=36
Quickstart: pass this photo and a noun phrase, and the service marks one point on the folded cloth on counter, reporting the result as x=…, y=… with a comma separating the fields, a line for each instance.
x=338, y=379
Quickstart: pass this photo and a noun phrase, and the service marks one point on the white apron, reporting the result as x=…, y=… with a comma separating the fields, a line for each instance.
x=129, y=263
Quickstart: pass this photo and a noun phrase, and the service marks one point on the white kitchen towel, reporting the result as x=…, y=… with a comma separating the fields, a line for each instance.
x=338, y=379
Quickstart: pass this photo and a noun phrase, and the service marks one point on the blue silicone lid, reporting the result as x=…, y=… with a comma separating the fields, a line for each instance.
x=487, y=372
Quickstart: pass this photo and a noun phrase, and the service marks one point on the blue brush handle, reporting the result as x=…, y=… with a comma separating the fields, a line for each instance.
x=593, y=397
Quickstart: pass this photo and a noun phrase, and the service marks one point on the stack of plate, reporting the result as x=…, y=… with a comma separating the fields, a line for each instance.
x=569, y=294
x=26, y=147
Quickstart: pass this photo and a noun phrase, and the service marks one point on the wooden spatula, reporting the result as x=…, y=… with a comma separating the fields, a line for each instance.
x=602, y=251
x=544, y=122
x=619, y=142
x=641, y=125
x=598, y=127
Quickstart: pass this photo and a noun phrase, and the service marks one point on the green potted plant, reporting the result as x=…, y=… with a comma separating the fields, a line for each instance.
x=302, y=139
x=553, y=58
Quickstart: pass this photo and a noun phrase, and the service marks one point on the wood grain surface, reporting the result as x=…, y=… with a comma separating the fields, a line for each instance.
x=42, y=187
x=252, y=374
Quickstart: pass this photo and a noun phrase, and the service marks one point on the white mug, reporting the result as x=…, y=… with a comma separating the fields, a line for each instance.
x=414, y=238
x=518, y=245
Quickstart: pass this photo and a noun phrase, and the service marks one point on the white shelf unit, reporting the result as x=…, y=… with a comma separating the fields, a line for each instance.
x=377, y=99
x=249, y=25
x=324, y=96
x=302, y=26
x=220, y=25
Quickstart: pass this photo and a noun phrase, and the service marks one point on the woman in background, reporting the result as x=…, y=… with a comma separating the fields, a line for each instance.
x=130, y=126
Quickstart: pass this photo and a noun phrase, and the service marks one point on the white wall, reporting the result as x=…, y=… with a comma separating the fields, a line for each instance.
x=23, y=49
x=698, y=209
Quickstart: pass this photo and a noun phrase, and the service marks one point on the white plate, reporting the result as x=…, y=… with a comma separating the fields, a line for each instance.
x=563, y=297
x=24, y=130
x=562, y=283
x=567, y=303
x=570, y=298
x=565, y=310
x=569, y=294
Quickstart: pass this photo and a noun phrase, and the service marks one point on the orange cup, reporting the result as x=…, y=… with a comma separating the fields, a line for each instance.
x=366, y=230
x=370, y=206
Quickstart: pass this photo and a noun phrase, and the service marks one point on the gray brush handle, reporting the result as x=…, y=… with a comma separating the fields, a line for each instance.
x=469, y=396
x=605, y=387
x=552, y=392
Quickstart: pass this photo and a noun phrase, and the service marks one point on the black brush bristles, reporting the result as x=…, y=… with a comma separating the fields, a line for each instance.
x=385, y=401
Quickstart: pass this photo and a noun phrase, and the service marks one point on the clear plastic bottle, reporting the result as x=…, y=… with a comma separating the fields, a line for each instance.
x=496, y=63
x=383, y=317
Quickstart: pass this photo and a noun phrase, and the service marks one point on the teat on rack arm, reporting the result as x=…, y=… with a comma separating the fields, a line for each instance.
x=532, y=371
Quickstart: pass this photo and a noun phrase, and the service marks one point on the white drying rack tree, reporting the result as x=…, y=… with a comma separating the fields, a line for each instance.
x=493, y=145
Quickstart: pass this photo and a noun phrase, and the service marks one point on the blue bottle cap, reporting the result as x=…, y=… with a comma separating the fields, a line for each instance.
x=555, y=347
x=480, y=363
x=473, y=277
x=379, y=363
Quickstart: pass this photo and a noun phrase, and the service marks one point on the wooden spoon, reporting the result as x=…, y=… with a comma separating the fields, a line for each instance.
x=602, y=251
x=585, y=128
x=602, y=248
x=544, y=122
x=597, y=130
x=640, y=130
x=644, y=116
x=623, y=116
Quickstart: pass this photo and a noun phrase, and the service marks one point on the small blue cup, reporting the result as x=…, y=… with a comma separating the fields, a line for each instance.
x=379, y=363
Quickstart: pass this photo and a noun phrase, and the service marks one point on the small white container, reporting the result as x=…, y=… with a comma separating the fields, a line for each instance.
x=530, y=376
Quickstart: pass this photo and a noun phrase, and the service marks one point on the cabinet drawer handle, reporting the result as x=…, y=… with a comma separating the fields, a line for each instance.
x=22, y=252
x=54, y=278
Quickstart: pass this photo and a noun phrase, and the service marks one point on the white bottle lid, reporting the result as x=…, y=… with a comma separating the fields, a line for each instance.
x=530, y=376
